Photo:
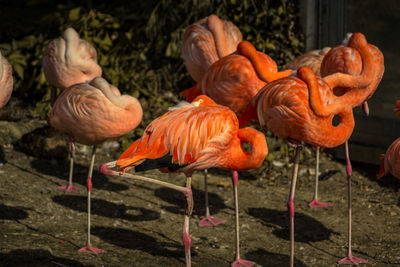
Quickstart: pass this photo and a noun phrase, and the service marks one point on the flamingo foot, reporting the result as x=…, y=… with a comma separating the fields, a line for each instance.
x=211, y=221
x=91, y=250
x=68, y=188
x=317, y=204
x=242, y=263
x=352, y=260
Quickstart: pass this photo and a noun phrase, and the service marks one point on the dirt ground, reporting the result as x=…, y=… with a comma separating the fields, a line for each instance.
x=140, y=224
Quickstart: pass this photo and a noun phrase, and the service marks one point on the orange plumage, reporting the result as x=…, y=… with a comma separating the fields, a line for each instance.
x=303, y=109
x=197, y=136
x=233, y=80
x=391, y=160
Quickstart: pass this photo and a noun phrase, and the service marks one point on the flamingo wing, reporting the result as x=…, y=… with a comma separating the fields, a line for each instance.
x=190, y=137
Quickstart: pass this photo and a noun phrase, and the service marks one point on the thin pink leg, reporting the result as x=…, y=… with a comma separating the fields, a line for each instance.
x=315, y=203
x=69, y=187
x=350, y=259
x=187, y=191
x=290, y=204
x=88, y=248
x=238, y=261
x=209, y=220
x=187, y=241
x=365, y=108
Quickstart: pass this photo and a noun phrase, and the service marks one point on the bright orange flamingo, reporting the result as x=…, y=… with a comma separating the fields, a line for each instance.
x=302, y=109
x=232, y=81
x=391, y=159
x=193, y=137
x=344, y=59
x=92, y=113
x=69, y=60
x=206, y=41
x=6, y=81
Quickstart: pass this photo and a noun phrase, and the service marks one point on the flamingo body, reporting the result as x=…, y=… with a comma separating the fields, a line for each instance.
x=206, y=41
x=6, y=81
x=283, y=107
x=233, y=80
x=313, y=59
x=197, y=138
x=69, y=60
x=94, y=112
x=391, y=160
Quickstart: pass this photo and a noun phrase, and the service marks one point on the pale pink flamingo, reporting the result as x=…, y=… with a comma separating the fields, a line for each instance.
x=92, y=113
x=193, y=137
x=69, y=60
x=6, y=81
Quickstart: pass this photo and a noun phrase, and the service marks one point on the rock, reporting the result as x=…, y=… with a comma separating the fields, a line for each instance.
x=44, y=142
x=10, y=131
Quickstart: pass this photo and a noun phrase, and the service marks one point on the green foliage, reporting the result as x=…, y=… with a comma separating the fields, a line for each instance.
x=139, y=44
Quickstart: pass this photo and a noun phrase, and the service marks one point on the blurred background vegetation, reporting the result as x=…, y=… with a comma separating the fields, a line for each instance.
x=138, y=43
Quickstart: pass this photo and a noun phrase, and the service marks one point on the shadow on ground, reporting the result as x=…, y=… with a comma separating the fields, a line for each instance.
x=138, y=241
x=35, y=258
x=307, y=229
x=12, y=213
x=265, y=258
x=177, y=201
x=106, y=208
x=61, y=170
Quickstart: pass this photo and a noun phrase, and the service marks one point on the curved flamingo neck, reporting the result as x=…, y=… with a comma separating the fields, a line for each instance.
x=361, y=81
x=247, y=50
x=216, y=27
x=249, y=114
x=308, y=76
x=259, y=149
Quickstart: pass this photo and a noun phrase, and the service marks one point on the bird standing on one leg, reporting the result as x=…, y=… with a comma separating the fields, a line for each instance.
x=192, y=137
x=302, y=109
x=67, y=61
x=204, y=43
x=92, y=113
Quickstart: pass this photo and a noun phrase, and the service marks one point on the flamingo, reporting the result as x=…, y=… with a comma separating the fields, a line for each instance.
x=390, y=161
x=69, y=60
x=344, y=59
x=301, y=109
x=92, y=113
x=192, y=137
x=6, y=81
x=206, y=41
x=312, y=58
x=232, y=81
x=203, y=43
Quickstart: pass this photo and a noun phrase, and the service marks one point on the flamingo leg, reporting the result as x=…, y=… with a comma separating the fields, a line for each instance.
x=350, y=259
x=238, y=261
x=69, y=187
x=88, y=248
x=187, y=241
x=315, y=203
x=365, y=108
x=208, y=220
x=290, y=203
x=187, y=191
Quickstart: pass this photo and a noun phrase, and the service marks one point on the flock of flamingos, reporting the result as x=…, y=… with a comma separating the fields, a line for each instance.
x=236, y=86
